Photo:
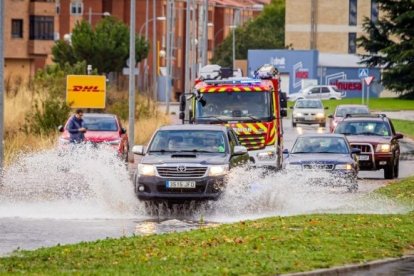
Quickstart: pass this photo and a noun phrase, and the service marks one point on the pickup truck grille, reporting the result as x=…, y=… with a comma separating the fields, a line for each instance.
x=365, y=148
x=318, y=167
x=253, y=141
x=181, y=171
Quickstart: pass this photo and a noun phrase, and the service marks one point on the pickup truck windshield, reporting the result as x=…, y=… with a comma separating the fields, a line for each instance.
x=373, y=128
x=206, y=141
x=235, y=105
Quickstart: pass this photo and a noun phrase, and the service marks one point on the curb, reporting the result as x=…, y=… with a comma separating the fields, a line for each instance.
x=339, y=270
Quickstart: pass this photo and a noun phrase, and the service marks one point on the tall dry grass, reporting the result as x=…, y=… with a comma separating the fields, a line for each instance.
x=17, y=141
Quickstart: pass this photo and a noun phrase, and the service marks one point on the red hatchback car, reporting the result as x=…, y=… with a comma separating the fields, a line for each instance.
x=101, y=128
x=342, y=110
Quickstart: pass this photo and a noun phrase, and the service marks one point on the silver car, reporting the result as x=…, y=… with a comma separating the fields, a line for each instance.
x=308, y=111
x=323, y=92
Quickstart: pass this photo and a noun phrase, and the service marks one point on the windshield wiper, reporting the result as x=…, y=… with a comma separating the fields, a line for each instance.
x=369, y=133
x=252, y=117
x=162, y=150
x=212, y=116
x=302, y=152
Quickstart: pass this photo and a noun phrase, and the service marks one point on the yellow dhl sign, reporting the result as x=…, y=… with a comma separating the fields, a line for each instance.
x=85, y=91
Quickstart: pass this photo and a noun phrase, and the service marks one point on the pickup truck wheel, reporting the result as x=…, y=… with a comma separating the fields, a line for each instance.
x=322, y=124
x=389, y=171
x=396, y=168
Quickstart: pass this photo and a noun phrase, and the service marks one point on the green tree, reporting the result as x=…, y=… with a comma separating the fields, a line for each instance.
x=390, y=44
x=267, y=31
x=106, y=47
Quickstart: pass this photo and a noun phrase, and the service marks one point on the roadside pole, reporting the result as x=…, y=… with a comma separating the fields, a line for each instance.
x=363, y=91
x=1, y=84
x=154, y=51
x=131, y=118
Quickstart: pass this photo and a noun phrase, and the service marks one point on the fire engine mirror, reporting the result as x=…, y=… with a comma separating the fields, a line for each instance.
x=183, y=102
x=283, y=113
x=283, y=100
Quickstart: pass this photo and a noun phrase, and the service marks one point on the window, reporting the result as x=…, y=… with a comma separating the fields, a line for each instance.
x=76, y=8
x=41, y=27
x=353, y=12
x=374, y=11
x=17, y=28
x=315, y=90
x=325, y=90
x=352, y=43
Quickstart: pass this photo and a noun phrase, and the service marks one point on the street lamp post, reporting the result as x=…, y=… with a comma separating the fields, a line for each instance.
x=1, y=83
x=131, y=119
x=90, y=13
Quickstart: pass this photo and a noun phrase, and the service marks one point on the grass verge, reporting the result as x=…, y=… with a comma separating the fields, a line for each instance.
x=404, y=126
x=265, y=246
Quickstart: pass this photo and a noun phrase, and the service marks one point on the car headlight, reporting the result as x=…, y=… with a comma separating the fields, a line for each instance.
x=268, y=155
x=145, y=169
x=297, y=114
x=64, y=141
x=218, y=170
x=290, y=166
x=320, y=115
x=347, y=167
x=383, y=148
x=114, y=142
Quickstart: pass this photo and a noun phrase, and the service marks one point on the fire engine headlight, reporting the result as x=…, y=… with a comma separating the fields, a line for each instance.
x=320, y=115
x=218, y=170
x=268, y=155
x=145, y=169
x=383, y=148
x=347, y=167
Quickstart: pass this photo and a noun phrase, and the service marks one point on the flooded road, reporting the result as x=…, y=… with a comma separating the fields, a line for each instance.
x=50, y=198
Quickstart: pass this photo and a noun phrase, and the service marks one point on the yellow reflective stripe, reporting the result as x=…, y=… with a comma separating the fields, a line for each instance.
x=272, y=141
x=273, y=131
x=262, y=126
x=222, y=89
x=254, y=129
x=202, y=90
x=236, y=89
x=258, y=89
x=212, y=89
x=247, y=89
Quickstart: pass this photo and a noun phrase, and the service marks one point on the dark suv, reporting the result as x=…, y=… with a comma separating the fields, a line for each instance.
x=187, y=162
x=375, y=136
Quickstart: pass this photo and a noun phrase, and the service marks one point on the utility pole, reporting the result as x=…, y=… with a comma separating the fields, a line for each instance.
x=1, y=84
x=131, y=118
x=145, y=81
x=154, y=50
x=169, y=48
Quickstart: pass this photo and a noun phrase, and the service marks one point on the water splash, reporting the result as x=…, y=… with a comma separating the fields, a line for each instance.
x=82, y=183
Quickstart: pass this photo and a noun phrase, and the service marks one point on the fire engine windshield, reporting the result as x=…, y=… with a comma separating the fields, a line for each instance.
x=235, y=105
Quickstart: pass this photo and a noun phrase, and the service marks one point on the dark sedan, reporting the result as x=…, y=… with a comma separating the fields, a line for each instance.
x=327, y=152
x=187, y=162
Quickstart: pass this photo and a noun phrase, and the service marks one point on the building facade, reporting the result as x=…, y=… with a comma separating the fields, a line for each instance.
x=330, y=26
x=32, y=26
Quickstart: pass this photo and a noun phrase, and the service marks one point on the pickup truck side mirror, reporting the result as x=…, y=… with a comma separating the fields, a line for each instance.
x=138, y=149
x=123, y=130
x=398, y=136
x=330, y=116
x=60, y=128
x=239, y=150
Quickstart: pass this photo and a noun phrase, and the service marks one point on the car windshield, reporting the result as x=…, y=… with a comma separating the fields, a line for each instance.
x=308, y=104
x=239, y=105
x=342, y=111
x=320, y=144
x=188, y=141
x=97, y=123
x=375, y=128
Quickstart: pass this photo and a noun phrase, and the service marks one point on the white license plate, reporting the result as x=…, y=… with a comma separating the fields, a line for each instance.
x=181, y=184
x=364, y=157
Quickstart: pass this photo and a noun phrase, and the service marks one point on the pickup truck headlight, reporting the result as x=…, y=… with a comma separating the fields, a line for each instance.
x=290, y=166
x=320, y=115
x=268, y=155
x=145, y=169
x=347, y=167
x=218, y=170
x=383, y=148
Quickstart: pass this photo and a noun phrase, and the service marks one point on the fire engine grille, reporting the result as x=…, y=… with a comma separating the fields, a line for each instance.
x=363, y=147
x=181, y=171
x=253, y=141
